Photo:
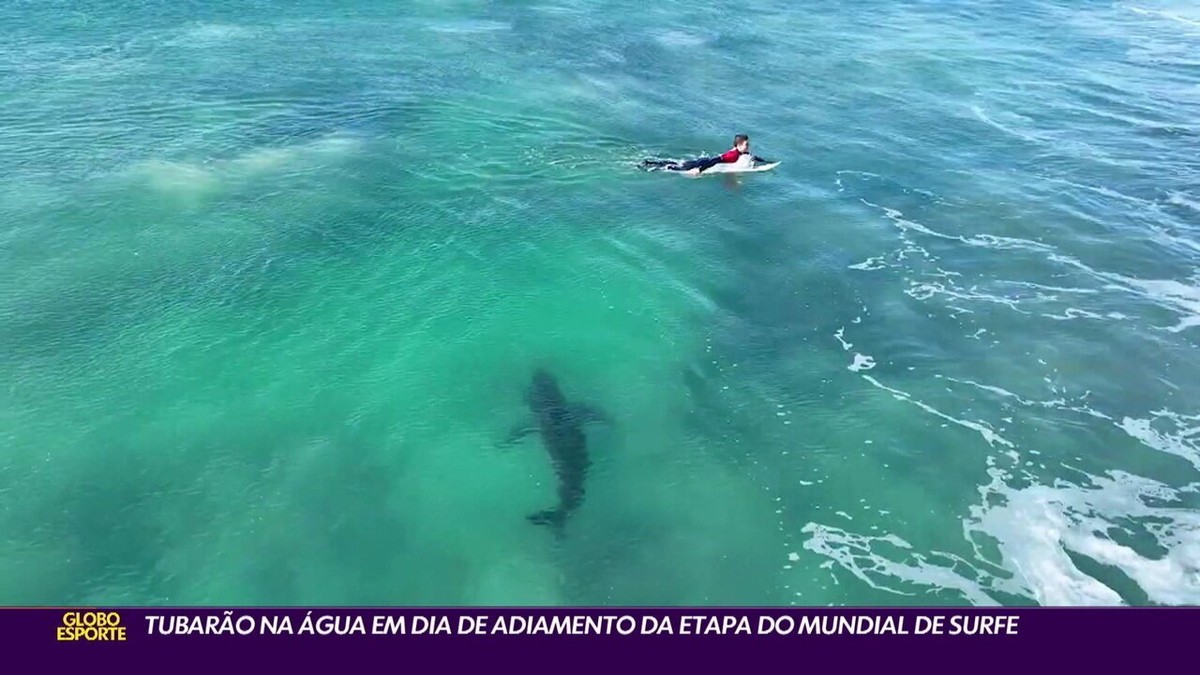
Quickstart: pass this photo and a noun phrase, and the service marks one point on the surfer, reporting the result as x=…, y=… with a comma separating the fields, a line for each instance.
x=738, y=153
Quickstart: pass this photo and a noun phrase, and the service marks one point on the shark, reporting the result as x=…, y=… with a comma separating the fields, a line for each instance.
x=560, y=424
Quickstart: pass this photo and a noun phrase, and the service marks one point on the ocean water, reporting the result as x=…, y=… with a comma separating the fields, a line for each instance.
x=276, y=275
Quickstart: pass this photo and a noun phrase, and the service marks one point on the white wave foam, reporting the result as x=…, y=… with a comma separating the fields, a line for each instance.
x=925, y=291
x=1185, y=299
x=1181, y=199
x=986, y=119
x=1169, y=293
x=1055, y=289
x=1170, y=15
x=980, y=240
x=1035, y=528
x=1170, y=239
x=986, y=432
x=874, y=263
x=840, y=335
x=1180, y=297
x=1078, y=406
x=861, y=362
x=860, y=555
x=1099, y=190
x=1182, y=442
x=1071, y=313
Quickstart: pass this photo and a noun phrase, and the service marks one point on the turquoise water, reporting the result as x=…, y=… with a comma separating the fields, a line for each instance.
x=277, y=274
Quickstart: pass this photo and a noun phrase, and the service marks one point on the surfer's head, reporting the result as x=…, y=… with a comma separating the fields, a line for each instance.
x=741, y=142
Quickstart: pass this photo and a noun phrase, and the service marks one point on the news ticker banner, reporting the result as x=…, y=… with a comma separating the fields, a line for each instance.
x=822, y=634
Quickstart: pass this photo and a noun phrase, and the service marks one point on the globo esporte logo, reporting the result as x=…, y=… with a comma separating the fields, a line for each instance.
x=91, y=627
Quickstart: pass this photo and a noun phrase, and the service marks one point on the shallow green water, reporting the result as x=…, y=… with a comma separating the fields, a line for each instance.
x=278, y=276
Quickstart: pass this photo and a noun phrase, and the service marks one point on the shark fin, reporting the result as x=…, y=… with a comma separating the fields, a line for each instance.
x=517, y=434
x=555, y=518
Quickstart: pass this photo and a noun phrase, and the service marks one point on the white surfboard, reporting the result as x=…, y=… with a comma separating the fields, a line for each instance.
x=738, y=167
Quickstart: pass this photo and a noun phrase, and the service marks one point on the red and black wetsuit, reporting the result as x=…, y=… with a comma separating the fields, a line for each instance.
x=706, y=163
x=702, y=163
x=731, y=156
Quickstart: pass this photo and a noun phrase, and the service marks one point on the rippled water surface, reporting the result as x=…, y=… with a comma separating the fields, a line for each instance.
x=277, y=275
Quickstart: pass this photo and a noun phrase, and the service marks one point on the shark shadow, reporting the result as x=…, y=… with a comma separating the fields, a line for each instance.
x=560, y=424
